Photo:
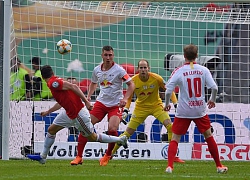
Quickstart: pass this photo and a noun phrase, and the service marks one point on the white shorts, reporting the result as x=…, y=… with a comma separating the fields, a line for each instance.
x=82, y=122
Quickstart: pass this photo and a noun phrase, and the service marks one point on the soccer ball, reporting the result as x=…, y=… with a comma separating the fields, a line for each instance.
x=64, y=46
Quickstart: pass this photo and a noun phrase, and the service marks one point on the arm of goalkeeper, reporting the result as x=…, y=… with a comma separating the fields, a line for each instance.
x=125, y=115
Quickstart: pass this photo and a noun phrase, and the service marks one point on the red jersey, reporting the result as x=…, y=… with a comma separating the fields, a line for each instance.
x=66, y=98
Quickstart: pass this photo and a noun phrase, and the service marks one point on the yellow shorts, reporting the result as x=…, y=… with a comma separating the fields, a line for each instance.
x=141, y=113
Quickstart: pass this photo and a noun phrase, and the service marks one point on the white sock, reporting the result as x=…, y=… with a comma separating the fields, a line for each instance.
x=49, y=140
x=104, y=138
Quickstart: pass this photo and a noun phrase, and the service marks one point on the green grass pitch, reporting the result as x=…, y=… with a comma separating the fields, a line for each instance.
x=119, y=170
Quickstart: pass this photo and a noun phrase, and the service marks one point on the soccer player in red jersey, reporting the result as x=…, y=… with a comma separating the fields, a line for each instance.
x=70, y=97
x=192, y=79
x=110, y=78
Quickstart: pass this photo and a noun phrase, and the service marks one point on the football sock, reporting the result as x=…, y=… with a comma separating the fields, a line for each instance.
x=111, y=145
x=213, y=149
x=81, y=144
x=170, y=133
x=49, y=140
x=116, y=145
x=104, y=138
x=172, y=150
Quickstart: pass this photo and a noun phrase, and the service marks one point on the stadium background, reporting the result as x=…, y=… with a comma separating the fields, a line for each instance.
x=128, y=42
x=133, y=39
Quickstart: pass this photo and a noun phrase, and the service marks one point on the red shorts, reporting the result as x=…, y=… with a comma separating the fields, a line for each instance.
x=181, y=125
x=100, y=111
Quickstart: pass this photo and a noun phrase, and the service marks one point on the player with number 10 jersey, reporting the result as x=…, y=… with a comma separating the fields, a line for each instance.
x=191, y=79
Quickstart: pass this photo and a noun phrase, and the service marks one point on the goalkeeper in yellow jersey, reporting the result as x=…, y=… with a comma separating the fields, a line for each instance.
x=148, y=86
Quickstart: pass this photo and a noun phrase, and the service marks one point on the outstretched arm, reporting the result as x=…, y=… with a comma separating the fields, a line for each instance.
x=52, y=109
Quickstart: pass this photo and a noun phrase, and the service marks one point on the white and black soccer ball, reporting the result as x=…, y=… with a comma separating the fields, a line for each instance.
x=64, y=46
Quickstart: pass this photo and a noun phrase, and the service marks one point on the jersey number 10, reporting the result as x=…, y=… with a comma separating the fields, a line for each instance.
x=197, y=87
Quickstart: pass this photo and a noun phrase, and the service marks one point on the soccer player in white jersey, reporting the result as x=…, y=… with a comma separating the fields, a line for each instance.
x=192, y=79
x=110, y=77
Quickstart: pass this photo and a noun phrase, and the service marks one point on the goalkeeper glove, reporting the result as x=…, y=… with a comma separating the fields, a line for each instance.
x=125, y=115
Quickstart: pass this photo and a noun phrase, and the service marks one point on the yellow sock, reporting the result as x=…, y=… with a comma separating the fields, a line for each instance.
x=170, y=133
x=116, y=145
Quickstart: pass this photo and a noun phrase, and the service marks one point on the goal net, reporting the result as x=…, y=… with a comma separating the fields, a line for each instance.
x=156, y=31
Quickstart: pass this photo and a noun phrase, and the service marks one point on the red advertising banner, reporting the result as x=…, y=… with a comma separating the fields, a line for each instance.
x=237, y=152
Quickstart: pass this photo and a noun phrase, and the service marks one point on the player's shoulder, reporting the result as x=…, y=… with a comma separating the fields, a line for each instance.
x=98, y=67
x=55, y=81
x=177, y=70
x=135, y=77
x=118, y=66
x=118, y=69
x=154, y=75
x=203, y=68
x=55, y=78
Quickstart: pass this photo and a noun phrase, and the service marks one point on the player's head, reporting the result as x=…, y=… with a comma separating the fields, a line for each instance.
x=47, y=71
x=107, y=48
x=190, y=52
x=36, y=62
x=107, y=54
x=143, y=67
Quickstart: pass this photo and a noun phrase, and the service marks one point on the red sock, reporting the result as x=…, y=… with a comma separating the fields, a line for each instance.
x=82, y=141
x=213, y=149
x=111, y=145
x=172, y=150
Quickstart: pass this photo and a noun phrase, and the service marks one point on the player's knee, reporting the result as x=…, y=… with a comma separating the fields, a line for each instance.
x=53, y=130
x=207, y=133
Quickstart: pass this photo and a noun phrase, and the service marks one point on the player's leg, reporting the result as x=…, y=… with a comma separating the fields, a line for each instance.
x=113, y=124
x=95, y=114
x=81, y=143
x=86, y=129
x=61, y=121
x=180, y=127
x=104, y=138
x=138, y=117
x=48, y=142
x=84, y=125
x=164, y=118
x=132, y=126
x=204, y=126
x=50, y=138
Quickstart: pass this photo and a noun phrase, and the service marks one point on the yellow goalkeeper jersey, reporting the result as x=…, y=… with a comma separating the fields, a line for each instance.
x=147, y=93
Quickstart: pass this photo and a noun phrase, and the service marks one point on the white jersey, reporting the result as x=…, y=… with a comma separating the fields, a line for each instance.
x=191, y=80
x=111, y=84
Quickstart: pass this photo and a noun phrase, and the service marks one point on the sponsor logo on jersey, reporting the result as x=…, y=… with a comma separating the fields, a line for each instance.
x=55, y=84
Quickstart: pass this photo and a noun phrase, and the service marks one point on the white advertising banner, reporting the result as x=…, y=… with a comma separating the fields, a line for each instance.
x=95, y=150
